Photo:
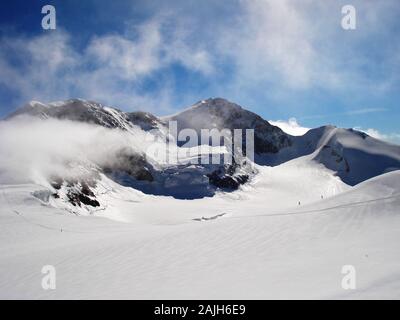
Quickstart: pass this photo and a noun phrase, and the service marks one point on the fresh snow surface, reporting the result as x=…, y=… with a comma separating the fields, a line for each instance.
x=257, y=242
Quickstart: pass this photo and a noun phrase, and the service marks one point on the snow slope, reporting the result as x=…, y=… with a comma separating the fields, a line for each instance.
x=254, y=251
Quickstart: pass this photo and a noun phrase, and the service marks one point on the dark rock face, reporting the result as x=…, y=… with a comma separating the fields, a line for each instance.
x=333, y=158
x=89, y=112
x=227, y=182
x=218, y=113
x=78, y=191
x=132, y=164
x=228, y=177
x=56, y=182
x=93, y=113
x=146, y=121
x=79, y=198
x=74, y=110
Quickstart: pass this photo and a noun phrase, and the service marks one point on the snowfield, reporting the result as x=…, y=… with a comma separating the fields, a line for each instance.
x=263, y=247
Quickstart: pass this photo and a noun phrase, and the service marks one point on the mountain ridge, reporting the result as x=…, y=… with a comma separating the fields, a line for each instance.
x=351, y=155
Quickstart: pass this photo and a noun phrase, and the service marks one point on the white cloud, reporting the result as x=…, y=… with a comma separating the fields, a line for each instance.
x=291, y=127
x=37, y=67
x=276, y=38
x=31, y=149
x=110, y=69
x=301, y=45
x=277, y=41
x=152, y=49
x=124, y=58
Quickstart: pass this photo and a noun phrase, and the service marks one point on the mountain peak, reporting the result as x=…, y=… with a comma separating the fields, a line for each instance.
x=217, y=100
x=77, y=102
x=216, y=103
x=34, y=103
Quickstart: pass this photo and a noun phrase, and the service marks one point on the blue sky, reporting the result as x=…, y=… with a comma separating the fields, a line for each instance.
x=281, y=59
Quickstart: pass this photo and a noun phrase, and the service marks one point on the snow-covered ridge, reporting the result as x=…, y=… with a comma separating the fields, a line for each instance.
x=82, y=111
x=118, y=150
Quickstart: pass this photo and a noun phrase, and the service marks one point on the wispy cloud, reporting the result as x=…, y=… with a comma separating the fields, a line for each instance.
x=110, y=68
x=300, y=45
x=346, y=113
x=364, y=111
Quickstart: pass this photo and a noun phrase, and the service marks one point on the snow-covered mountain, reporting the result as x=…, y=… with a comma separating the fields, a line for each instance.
x=219, y=113
x=131, y=164
x=282, y=227
x=89, y=112
x=349, y=154
x=353, y=155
